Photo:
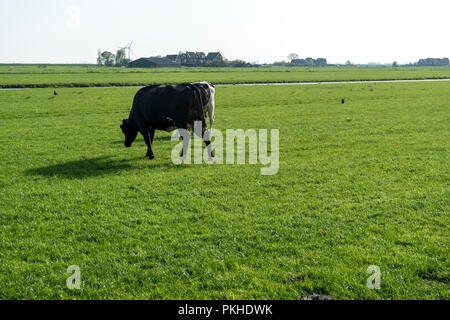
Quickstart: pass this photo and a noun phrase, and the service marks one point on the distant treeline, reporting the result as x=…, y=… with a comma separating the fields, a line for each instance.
x=110, y=59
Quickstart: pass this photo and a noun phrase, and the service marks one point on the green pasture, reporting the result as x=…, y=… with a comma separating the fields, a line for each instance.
x=18, y=76
x=361, y=183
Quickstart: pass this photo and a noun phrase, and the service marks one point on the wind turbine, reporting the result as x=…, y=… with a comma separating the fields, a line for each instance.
x=128, y=49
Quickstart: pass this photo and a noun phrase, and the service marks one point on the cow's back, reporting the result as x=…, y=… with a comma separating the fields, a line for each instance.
x=156, y=103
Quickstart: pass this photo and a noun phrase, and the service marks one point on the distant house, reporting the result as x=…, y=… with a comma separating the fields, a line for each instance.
x=201, y=56
x=433, y=62
x=188, y=59
x=191, y=59
x=172, y=57
x=153, y=62
x=299, y=62
x=321, y=62
x=214, y=57
x=310, y=62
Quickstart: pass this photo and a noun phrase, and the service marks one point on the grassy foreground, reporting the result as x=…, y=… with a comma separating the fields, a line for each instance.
x=361, y=183
x=19, y=76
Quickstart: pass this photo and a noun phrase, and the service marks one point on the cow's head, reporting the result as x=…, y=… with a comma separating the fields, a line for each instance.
x=129, y=131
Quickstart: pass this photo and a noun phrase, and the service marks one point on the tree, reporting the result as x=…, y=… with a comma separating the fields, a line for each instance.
x=120, y=55
x=108, y=58
x=395, y=64
x=121, y=59
x=125, y=62
x=280, y=63
x=348, y=63
x=292, y=56
x=100, y=60
x=236, y=63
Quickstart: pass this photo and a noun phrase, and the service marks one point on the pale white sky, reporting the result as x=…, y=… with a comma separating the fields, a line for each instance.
x=71, y=31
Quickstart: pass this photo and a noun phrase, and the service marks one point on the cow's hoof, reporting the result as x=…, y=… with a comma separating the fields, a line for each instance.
x=151, y=156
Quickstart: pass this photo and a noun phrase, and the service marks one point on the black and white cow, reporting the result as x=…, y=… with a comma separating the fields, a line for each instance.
x=169, y=107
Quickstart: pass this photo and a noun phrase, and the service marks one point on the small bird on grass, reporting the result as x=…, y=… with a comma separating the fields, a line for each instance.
x=55, y=93
x=342, y=100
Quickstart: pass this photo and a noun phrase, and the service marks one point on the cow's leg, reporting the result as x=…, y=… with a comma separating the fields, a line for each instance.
x=208, y=143
x=205, y=137
x=152, y=134
x=185, y=140
x=145, y=131
x=148, y=142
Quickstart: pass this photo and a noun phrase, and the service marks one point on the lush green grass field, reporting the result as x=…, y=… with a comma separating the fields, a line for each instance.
x=85, y=76
x=361, y=183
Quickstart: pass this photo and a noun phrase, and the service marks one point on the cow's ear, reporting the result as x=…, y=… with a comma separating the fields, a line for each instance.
x=121, y=126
